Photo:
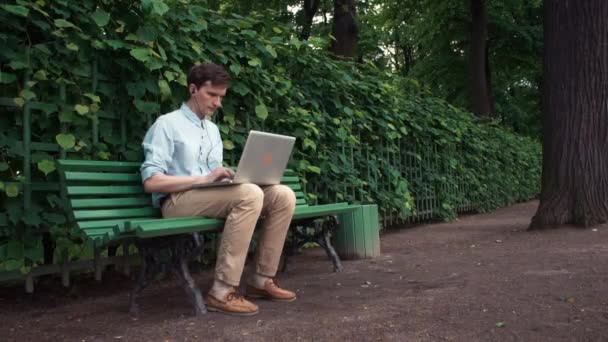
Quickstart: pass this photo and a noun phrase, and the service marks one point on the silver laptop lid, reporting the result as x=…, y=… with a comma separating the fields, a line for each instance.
x=264, y=158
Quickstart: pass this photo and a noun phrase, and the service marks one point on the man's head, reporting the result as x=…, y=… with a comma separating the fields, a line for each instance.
x=207, y=85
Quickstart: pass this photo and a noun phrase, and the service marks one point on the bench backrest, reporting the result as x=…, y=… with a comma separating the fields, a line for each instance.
x=105, y=193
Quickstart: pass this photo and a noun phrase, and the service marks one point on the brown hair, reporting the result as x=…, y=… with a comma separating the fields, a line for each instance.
x=201, y=73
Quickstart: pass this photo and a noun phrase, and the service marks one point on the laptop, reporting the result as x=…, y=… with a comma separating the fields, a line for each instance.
x=263, y=161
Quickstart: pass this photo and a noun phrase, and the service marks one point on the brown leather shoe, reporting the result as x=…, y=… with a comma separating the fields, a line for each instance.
x=232, y=304
x=271, y=291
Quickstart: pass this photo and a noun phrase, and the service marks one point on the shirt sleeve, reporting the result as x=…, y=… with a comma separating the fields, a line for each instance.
x=158, y=149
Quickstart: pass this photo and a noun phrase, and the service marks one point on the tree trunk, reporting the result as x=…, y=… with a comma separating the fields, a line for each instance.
x=575, y=114
x=310, y=10
x=480, y=92
x=345, y=29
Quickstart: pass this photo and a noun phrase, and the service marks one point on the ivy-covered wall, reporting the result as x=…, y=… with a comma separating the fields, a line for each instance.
x=84, y=79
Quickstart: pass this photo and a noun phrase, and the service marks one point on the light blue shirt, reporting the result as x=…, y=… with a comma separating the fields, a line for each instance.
x=181, y=144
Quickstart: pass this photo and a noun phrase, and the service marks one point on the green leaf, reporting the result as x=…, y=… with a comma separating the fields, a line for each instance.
x=66, y=141
x=6, y=77
x=19, y=101
x=54, y=218
x=40, y=75
x=18, y=10
x=314, y=169
x=155, y=6
x=271, y=51
x=62, y=23
x=72, y=46
x=261, y=111
x=165, y=90
x=228, y=145
x=93, y=97
x=276, y=29
x=27, y=94
x=240, y=88
x=500, y=324
x=254, y=61
x=3, y=166
x=235, y=68
x=66, y=116
x=11, y=190
x=146, y=106
x=103, y=155
x=140, y=54
x=2, y=186
x=46, y=166
x=81, y=109
x=101, y=17
x=310, y=144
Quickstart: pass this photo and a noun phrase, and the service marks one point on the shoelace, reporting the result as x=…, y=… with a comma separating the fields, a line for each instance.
x=234, y=295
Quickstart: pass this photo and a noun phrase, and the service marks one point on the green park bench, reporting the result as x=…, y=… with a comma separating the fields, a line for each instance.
x=108, y=205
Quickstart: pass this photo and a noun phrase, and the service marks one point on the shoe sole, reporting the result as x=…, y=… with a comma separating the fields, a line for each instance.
x=271, y=298
x=210, y=308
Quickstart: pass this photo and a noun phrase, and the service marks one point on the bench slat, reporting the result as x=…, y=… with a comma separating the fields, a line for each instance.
x=182, y=226
x=117, y=202
x=302, y=212
x=96, y=165
x=114, y=213
x=110, y=223
x=105, y=190
x=103, y=177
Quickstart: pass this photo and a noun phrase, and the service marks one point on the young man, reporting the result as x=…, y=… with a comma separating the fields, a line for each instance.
x=183, y=148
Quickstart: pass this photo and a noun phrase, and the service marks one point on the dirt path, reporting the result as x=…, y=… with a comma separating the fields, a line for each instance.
x=482, y=278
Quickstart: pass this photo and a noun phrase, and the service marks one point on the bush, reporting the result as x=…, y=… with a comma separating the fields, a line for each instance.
x=88, y=77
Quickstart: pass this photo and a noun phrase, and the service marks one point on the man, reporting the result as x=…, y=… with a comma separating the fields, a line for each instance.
x=183, y=148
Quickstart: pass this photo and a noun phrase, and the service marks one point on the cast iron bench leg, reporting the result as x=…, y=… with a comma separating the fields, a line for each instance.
x=145, y=276
x=182, y=272
x=324, y=240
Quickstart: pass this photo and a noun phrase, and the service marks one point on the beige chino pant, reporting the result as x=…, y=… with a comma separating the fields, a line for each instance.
x=241, y=205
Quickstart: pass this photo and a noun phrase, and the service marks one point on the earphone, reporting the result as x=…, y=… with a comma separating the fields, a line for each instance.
x=198, y=107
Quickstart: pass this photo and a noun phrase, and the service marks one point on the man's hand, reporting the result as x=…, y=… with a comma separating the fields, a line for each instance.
x=219, y=174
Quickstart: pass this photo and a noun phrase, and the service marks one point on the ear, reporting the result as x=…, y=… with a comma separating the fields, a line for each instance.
x=192, y=89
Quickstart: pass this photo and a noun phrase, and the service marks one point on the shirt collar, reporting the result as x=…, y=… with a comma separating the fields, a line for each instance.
x=188, y=113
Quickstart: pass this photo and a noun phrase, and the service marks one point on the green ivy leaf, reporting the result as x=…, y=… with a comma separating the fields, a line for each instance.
x=11, y=190
x=54, y=218
x=228, y=145
x=165, y=90
x=146, y=106
x=46, y=166
x=314, y=169
x=310, y=144
x=103, y=155
x=81, y=109
x=271, y=51
x=66, y=141
x=62, y=23
x=18, y=10
x=101, y=17
x=140, y=54
x=72, y=46
x=159, y=7
x=261, y=111
x=254, y=61
x=19, y=101
x=27, y=94
x=6, y=78
x=276, y=29
x=236, y=69
x=93, y=97
x=40, y=75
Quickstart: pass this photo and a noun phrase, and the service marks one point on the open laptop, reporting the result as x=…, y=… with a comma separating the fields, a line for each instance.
x=263, y=161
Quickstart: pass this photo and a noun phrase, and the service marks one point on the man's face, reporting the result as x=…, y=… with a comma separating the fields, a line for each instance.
x=209, y=98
